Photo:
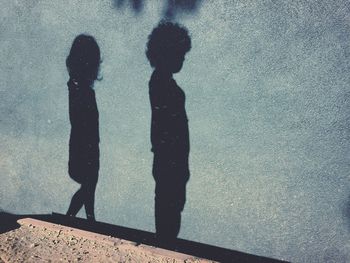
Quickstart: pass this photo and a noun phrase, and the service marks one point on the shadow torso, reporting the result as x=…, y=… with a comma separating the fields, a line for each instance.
x=84, y=137
x=169, y=128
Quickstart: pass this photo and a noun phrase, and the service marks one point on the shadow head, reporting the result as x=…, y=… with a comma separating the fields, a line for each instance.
x=167, y=46
x=84, y=59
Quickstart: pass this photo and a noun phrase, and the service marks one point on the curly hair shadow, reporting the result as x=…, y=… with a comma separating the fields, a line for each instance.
x=167, y=40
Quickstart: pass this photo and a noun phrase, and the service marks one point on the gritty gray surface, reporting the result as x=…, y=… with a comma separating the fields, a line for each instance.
x=267, y=86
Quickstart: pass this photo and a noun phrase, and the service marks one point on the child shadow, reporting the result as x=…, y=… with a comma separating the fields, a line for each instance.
x=168, y=43
x=83, y=67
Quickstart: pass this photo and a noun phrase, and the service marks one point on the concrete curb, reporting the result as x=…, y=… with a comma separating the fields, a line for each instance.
x=112, y=241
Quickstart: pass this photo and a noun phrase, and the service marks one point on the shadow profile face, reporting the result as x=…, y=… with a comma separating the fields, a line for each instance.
x=177, y=63
x=172, y=63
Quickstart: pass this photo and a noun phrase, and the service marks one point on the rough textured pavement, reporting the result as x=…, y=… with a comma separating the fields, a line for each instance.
x=39, y=241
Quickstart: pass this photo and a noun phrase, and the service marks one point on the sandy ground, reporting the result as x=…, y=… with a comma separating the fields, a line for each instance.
x=39, y=241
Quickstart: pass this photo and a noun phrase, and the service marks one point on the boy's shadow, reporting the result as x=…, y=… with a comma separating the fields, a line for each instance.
x=168, y=43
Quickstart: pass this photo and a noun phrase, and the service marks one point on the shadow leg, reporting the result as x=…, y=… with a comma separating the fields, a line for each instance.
x=76, y=203
x=90, y=197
